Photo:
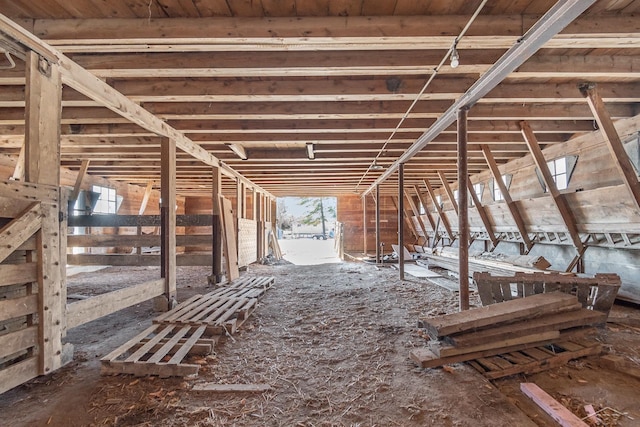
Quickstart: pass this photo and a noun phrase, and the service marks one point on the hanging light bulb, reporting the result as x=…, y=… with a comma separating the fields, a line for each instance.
x=455, y=57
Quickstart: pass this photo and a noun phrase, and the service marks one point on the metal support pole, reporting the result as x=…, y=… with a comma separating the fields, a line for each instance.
x=377, y=224
x=463, y=210
x=401, y=220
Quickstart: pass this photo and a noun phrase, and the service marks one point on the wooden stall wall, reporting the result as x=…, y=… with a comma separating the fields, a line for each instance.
x=350, y=213
x=32, y=291
x=198, y=206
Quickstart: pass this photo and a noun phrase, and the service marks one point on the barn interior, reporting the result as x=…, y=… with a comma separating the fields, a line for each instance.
x=493, y=144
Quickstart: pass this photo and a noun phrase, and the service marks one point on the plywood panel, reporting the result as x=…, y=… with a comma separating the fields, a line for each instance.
x=247, y=242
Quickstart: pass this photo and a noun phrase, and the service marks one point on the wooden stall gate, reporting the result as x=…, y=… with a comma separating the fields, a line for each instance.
x=32, y=282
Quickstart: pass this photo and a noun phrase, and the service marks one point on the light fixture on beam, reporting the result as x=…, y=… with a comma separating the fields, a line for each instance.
x=455, y=56
x=239, y=150
x=375, y=166
x=310, y=153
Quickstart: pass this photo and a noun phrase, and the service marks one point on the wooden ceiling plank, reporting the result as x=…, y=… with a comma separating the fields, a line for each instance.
x=244, y=26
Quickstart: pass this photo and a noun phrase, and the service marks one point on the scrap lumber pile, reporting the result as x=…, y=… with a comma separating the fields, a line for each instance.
x=522, y=335
x=191, y=328
x=598, y=292
x=447, y=258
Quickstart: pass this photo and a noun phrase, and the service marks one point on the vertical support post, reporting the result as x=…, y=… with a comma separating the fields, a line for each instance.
x=168, y=218
x=401, y=219
x=216, y=225
x=364, y=225
x=42, y=166
x=463, y=210
x=378, y=224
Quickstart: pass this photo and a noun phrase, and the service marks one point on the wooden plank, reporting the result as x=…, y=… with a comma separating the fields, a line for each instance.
x=216, y=229
x=525, y=308
x=620, y=364
x=425, y=358
x=147, y=240
x=142, y=369
x=194, y=220
x=14, y=342
x=12, y=274
x=549, y=362
x=231, y=388
x=569, y=319
x=443, y=351
x=180, y=354
x=41, y=193
x=84, y=311
x=135, y=259
x=423, y=201
x=18, y=373
x=16, y=307
x=129, y=344
x=159, y=336
x=551, y=406
x=16, y=232
x=231, y=252
x=145, y=197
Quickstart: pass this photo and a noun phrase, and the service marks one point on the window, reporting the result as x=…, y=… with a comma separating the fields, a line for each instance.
x=422, y=210
x=632, y=147
x=558, y=169
x=478, y=189
x=561, y=170
x=107, y=200
x=495, y=190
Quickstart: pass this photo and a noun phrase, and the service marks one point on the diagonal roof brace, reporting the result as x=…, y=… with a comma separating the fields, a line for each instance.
x=554, y=21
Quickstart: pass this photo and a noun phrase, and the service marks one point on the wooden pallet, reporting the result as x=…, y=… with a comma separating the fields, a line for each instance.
x=250, y=282
x=597, y=293
x=159, y=350
x=218, y=314
x=534, y=359
x=237, y=293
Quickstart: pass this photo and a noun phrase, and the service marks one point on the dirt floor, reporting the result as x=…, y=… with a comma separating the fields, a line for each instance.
x=332, y=341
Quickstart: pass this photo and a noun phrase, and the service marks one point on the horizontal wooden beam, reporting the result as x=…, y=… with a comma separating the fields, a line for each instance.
x=138, y=260
x=83, y=311
x=136, y=220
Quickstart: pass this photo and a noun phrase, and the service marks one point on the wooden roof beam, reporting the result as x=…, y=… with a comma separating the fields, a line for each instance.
x=91, y=86
x=447, y=189
x=558, y=199
x=443, y=217
x=423, y=201
x=611, y=137
x=555, y=20
x=513, y=209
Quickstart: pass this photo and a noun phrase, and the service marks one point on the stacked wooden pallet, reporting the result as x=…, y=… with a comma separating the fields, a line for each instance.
x=505, y=330
x=193, y=327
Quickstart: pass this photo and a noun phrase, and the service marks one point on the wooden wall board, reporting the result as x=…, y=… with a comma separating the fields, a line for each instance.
x=229, y=233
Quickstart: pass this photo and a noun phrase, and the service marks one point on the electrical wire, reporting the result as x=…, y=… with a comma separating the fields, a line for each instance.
x=424, y=88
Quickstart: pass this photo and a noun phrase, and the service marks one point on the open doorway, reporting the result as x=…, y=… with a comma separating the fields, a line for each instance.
x=306, y=229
